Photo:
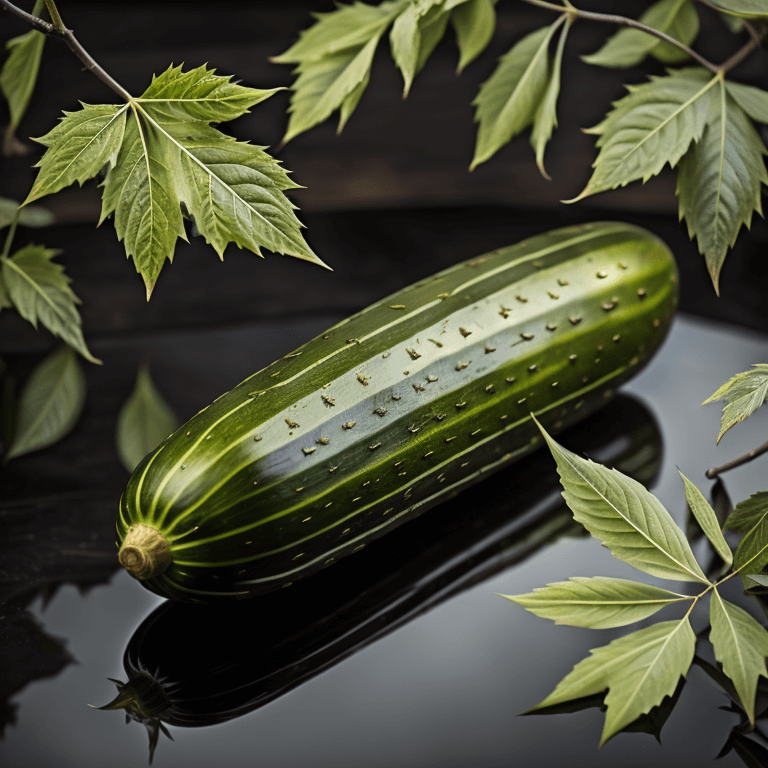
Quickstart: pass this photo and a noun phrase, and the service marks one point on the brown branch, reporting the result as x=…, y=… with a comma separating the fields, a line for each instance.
x=737, y=462
x=62, y=33
x=626, y=22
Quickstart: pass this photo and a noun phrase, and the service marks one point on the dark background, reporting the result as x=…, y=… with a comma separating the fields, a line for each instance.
x=387, y=202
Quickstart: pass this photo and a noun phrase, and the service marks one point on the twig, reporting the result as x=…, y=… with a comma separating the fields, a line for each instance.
x=60, y=31
x=9, y=237
x=627, y=22
x=755, y=38
x=737, y=462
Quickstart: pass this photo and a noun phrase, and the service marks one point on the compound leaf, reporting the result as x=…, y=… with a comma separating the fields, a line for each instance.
x=625, y=516
x=163, y=160
x=638, y=670
x=50, y=403
x=754, y=101
x=598, y=602
x=144, y=421
x=744, y=393
x=719, y=181
x=628, y=47
x=741, y=645
x=653, y=125
x=39, y=289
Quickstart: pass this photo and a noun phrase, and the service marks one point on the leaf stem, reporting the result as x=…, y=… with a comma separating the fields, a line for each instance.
x=627, y=22
x=9, y=237
x=713, y=472
x=59, y=30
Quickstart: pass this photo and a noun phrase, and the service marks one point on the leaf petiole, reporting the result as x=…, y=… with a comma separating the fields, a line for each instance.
x=11, y=233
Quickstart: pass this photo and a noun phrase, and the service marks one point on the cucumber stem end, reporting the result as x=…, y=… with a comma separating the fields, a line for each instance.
x=145, y=552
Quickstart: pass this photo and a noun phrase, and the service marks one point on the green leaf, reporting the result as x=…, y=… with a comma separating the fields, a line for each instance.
x=405, y=39
x=741, y=645
x=144, y=421
x=744, y=393
x=597, y=603
x=653, y=125
x=322, y=86
x=707, y=519
x=545, y=120
x=754, y=101
x=79, y=147
x=747, y=8
x=719, y=181
x=349, y=26
x=750, y=517
x=50, y=403
x=334, y=60
x=39, y=289
x=628, y=47
x=161, y=156
x=29, y=216
x=626, y=517
x=752, y=754
x=638, y=670
x=474, y=23
x=18, y=77
x=507, y=102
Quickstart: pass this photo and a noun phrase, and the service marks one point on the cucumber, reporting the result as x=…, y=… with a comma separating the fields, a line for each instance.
x=191, y=666
x=393, y=410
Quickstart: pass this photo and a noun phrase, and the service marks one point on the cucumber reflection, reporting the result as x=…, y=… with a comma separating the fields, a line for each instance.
x=192, y=665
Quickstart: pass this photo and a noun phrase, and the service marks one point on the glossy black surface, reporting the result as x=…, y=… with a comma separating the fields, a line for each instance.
x=445, y=688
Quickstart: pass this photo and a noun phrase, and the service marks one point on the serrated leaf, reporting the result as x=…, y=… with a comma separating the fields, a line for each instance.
x=754, y=101
x=545, y=120
x=746, y=8
x=39, y=289
x=507, y=102
x=79, y=147
x=719, y=181
x=744, y=393
x=653, y=125
x=474, y=23
x=597, y=603
x=49, y=405
x=706, y=518
x=741, y=645
x=160, y=156
x=750, y=517
x=638, y=670
x=29, y=216
x=19, y=75
x=322, y=86
x=625, y=516
x=349, y=26
x=628, y=47
x=334, y=60
x=144, y=421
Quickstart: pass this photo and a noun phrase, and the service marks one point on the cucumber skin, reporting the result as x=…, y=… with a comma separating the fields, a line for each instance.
x=271, y=483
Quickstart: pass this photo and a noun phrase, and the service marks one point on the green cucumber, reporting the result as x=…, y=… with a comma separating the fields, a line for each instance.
x=393, y=410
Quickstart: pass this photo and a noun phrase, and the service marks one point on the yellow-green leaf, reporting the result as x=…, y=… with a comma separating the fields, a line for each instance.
x=49, y=405
x=144, y=421
x=707, y=519
x=741, y=645
x=743, y=393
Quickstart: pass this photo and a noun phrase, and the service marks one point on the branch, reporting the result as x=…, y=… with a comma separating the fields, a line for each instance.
x=755, y=38
x=737, y=462
x=62, y=33
x=627, y=22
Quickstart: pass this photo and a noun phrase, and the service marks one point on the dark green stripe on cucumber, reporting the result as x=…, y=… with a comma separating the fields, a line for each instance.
x=394, y=409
